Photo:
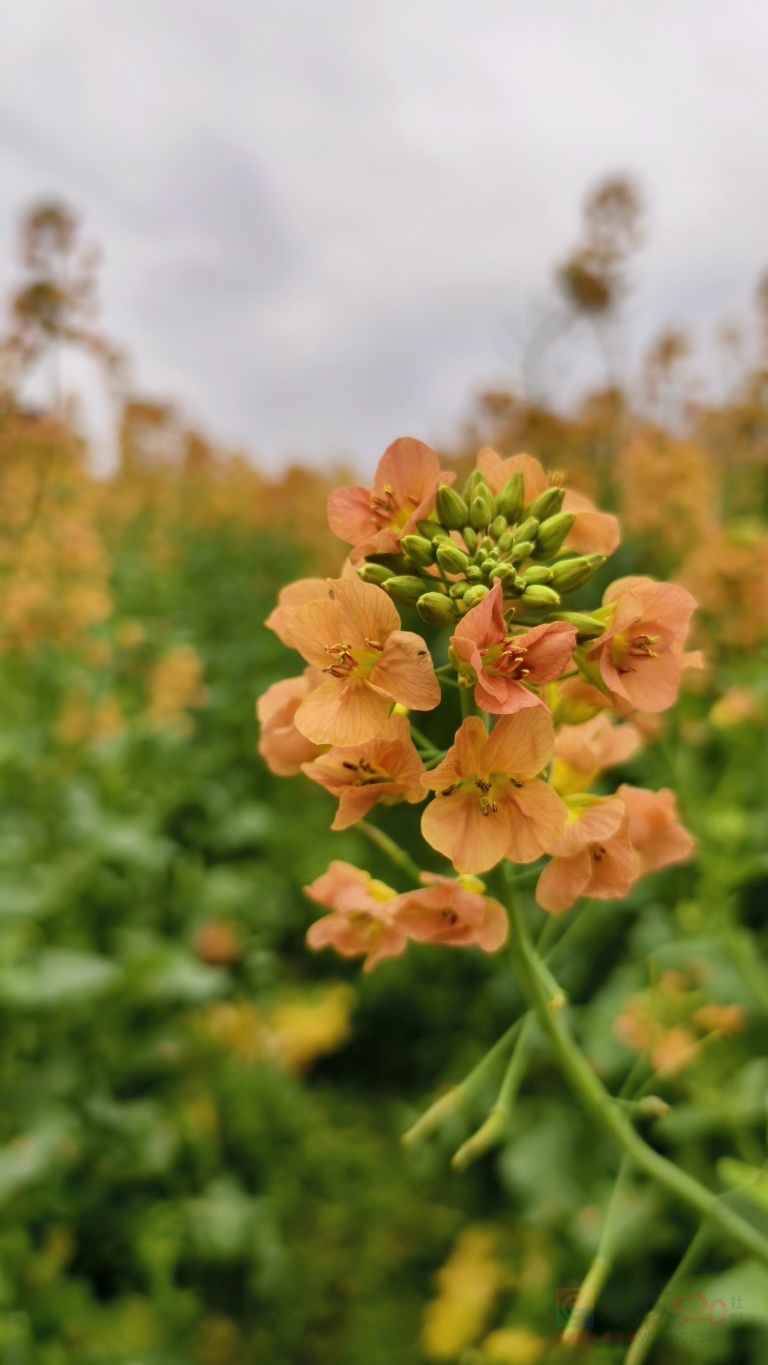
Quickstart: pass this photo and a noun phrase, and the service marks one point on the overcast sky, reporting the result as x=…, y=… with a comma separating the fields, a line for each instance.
x=325, y=222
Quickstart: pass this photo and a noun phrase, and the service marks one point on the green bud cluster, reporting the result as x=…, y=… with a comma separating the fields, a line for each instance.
x=474, y=540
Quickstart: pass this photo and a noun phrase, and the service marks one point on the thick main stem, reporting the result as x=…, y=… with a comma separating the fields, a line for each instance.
x=607, y=1115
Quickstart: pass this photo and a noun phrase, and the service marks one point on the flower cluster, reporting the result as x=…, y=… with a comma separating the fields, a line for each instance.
x=547, y=696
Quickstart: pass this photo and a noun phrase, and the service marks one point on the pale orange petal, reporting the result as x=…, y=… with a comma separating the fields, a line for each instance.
x=456, y=826
x=365, y=611
x=653, y=684
x=535, y=816
x=521, y=744
x=614, y=866
x=354, y=805
x=589, y=823
x=484, y=624
x=406, y=673
x=507, y=696
x=409, y=467
x=289, y=599
x=497, y=471
x=315, y=630
x=593, y=532
x=349, y=514
x=563, y=881
x=342, y=712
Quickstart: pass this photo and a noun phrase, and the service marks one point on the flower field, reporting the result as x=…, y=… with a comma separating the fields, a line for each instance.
x=511, y=760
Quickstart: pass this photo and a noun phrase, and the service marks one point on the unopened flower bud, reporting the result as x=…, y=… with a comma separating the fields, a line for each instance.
x=498, y=527
x=509, y=501
x=432, y=529
x=538, y=573
x=552, y=532
x=469, y=535
x=521, y=551
x=419, y=549
x=505, y=541
x=475, y=595
x=539, y=595
x=474, y=573
x=451, y=559
x=457, y=590
x=482, y=509
x=526, y=530
x=450, y=508
x=547, y=504
x=587, y=627
x=570, y=574
x=488, y=565
x=375, y=573
x=436, y=609
x=474, y=484
x=505, y=573
x=405, y=589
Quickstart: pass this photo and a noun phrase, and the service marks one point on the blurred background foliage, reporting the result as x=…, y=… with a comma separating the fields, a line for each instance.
x=200, y=1121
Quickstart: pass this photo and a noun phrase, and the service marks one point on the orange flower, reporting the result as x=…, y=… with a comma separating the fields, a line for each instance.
x=362, y=923
x=583, y=751
x=283, y=748
x=353, y=636
x=375, y=520
x=289, y=600
x=453, y=912
x=504, y=666
x=654, y=827
x=592, y=532
x=593, y=857
x=490, y=802
x=640, y=656
x=386, y=769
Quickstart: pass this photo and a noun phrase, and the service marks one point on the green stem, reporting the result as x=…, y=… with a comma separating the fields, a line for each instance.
x=422, y=740
x=497, y=1122
x=654, y=1319
x=469, y=706
x=594, y=1282
x=608, y=1116
x=433, y=1117
x=394, y=852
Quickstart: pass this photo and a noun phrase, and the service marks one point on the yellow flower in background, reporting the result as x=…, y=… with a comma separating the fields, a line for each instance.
x=298, y=1030
x=514, y=1346
x=468, y=1286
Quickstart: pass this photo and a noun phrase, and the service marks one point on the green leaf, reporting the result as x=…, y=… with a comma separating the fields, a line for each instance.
x=56, y=976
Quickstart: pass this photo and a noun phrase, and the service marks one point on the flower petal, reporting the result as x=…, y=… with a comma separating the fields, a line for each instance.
x=652, y=684
x=405, y=671
x=521, y=744
x=350, y=515
x=594, y=820
x=563, y=881
x=456, y=826
x=592, y=532
x=535, y=816
x=365, y=611
x=410, y=468
x=497, y=471
x=465, y=758
x=484, y=624
x=342, y=711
